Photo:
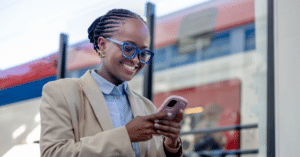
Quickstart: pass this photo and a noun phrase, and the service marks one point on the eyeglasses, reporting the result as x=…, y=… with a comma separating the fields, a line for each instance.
x=130, y=51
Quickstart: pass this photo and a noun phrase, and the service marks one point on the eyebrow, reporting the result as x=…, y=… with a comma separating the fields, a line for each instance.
x=131, y=42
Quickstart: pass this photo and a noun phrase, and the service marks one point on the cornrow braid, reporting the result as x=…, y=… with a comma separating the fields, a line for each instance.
x=107, y=24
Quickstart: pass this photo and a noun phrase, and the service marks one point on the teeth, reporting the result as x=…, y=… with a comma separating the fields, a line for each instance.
x=129, y=67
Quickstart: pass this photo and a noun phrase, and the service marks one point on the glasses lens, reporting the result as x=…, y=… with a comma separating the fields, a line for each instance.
x=129, y=50
x=145, y=56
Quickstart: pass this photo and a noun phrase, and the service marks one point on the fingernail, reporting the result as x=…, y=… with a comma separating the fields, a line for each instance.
x=156, y=125
x=169, y=114
x=156, y=121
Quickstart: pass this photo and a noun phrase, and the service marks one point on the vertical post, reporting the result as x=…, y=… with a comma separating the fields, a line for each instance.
x=149, y=67
x=270, y=82
x=61, y=65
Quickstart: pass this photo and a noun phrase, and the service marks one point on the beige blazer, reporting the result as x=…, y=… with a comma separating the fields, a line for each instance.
x=60, y=132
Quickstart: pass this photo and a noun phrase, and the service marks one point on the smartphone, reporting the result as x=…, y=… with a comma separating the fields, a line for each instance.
x=173, y=104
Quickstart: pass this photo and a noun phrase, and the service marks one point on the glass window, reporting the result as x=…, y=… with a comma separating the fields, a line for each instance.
x=224, y=81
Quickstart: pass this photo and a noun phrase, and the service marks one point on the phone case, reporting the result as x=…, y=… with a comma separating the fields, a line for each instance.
x=173, y=104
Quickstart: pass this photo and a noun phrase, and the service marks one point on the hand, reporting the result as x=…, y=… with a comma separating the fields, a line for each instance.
x=141, y=128
x=170, y=129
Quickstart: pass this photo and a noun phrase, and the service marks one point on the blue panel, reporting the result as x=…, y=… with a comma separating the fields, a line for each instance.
x=178, y=58
x=222, y=45
x=250, y=39
x=160, y=55
x=160, y=59
x=24, y=91
x=237, y=40
x=219, y=47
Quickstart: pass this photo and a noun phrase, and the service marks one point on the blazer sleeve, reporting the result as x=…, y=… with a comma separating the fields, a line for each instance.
x=58, y=133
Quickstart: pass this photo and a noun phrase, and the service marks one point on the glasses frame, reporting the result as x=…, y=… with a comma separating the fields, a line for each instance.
x=138, y=51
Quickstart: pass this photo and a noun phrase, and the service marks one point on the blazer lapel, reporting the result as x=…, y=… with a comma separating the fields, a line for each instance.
x=96, y=98
x=138, y=110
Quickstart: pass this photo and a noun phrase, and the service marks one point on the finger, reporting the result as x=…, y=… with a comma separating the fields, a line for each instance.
x=167, y=129
x=170, y=135
x=168, y=123
x=178, y=118
x=150, y=132
x=156, y=133
x=159, y=115
x=148, y=125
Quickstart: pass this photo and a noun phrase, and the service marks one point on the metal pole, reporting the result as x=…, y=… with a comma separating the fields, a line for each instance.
x=149, y=67
x=61, y=67
x=270, y=83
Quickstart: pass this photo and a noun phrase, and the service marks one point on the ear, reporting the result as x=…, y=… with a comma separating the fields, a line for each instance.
x=102, y=44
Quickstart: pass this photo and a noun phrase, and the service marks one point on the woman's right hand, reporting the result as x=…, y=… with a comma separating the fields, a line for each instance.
x=141, y=128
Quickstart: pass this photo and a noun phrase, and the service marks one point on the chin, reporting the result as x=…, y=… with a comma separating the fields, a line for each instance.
x=128, y=78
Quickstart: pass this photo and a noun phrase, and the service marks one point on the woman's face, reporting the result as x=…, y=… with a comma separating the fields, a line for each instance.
x=115, y=67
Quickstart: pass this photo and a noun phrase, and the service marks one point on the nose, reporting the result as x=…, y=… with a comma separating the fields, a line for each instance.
x=136, y=59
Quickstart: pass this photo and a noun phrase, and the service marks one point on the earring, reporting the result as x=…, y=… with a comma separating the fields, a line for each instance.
x=101, y=54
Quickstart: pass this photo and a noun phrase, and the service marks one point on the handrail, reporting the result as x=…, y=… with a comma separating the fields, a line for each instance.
x=220, y=129
x=225, y=152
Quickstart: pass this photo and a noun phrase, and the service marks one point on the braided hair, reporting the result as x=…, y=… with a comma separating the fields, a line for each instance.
x=107, y=24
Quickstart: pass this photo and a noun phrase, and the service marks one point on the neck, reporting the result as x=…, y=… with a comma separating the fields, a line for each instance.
x=109, y=78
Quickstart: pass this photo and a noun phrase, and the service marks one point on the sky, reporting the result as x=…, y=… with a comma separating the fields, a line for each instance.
x=31, y=29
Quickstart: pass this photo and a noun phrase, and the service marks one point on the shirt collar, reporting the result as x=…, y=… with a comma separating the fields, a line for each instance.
x=107, y=87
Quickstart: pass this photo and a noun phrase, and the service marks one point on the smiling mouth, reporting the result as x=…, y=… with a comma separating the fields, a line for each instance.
x=129, y=68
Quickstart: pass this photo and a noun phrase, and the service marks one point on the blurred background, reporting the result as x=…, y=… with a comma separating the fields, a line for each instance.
x=34, y=26
x=214, y=53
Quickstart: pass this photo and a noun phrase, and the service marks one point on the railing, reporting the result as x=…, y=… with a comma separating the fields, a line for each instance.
x=222, y=153
x=220, y=129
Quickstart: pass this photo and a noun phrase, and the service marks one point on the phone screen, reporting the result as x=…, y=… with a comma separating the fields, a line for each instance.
x=172, y=103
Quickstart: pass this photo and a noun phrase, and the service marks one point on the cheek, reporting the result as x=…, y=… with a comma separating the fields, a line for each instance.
x=114, y=57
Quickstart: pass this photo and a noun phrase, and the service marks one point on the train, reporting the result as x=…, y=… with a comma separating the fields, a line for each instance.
x=205, y=53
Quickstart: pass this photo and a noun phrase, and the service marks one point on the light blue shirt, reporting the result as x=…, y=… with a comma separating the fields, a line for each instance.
x=117, y=103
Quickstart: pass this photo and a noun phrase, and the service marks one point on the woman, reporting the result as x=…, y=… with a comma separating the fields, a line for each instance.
x=98, y=114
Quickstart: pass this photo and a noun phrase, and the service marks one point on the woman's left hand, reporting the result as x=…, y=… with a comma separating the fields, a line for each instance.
x=170, y=129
